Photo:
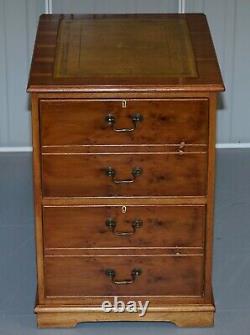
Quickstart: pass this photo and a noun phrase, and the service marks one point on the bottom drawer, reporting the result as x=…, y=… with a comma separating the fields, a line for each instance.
x=164, y=275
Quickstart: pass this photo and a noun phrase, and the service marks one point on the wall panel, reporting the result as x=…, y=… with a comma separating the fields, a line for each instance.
x=230, y=25
x=4, y=122
x=241, y=70
x=114, y=6
x=18, y=20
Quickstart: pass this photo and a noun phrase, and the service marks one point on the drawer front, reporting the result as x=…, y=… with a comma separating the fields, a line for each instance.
x=140, y=275
x=112, y=226
x=125, y=175
x=83, y=122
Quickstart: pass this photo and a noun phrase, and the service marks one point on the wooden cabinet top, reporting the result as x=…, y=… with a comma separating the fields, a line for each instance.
x=84, y=53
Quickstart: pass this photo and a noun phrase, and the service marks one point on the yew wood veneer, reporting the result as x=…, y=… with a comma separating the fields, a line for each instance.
x=124, y=122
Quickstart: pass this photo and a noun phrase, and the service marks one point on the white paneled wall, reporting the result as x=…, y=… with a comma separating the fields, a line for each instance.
x=230, y=27
x=18, y=21
x=114, y=6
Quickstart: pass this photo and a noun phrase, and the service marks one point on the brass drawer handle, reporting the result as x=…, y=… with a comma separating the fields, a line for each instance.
x=112, y=274
x=111, y=224
x=136, y=172
x=135, y=118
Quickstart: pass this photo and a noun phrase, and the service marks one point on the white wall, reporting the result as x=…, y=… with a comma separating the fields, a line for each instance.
x=18, y=21
x=230, y=27
x=114, y=6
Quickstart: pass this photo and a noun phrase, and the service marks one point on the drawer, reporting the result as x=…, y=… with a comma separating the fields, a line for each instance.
x=119, y=226
x=124, y=276
x=89, y=122
x=112, y=175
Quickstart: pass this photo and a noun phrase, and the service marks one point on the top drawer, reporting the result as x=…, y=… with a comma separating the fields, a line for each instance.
x=115, y=122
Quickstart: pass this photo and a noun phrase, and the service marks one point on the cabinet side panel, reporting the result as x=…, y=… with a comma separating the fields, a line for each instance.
x=37, y=198
x=210, y=196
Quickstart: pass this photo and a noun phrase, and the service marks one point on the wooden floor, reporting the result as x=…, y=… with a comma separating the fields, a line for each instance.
x=231, y=257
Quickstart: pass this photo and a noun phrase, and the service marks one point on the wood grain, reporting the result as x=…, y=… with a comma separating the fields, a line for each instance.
x=181, y=318
x=124, y=201
x=124, y=47
x=37, y=198
x=85, y=227
x=163, y=174
x=155, y=68
x=82, y=122
x=161, y=276
x=210, y=196
x=171, y=77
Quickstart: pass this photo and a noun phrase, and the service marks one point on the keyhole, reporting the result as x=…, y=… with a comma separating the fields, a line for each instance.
x=124, y=209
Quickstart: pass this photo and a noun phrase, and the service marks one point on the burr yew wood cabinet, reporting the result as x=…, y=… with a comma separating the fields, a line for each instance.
x=124, y=123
